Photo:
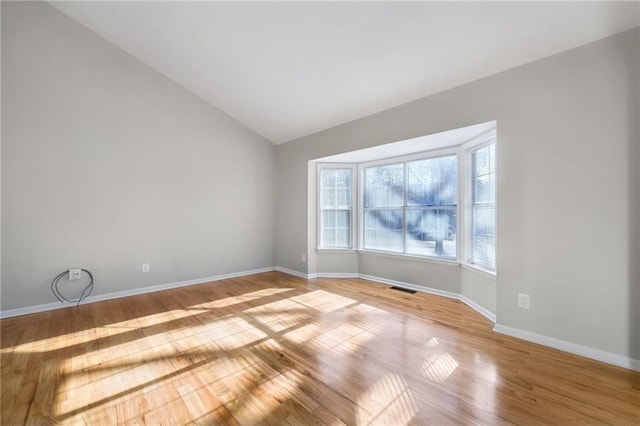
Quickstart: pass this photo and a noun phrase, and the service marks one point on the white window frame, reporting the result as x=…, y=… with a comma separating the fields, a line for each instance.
x=353, y=211
x=424, y=155
x=467, y=195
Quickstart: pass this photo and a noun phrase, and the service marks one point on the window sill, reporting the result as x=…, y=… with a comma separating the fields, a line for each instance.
x=485, y=272
x=401, y=256
x=335, y=250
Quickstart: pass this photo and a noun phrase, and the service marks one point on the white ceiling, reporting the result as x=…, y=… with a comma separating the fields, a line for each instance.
x=289, y=69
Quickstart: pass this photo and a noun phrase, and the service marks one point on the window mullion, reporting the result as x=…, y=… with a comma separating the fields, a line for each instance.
x=404, y=208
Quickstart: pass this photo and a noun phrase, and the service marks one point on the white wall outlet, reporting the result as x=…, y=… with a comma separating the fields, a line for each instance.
x=176, y=264
x=523, y=300
x=75, y=274
x=303, y=257
x=146, y=267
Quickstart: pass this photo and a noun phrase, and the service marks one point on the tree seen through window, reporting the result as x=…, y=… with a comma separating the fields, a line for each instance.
x=411, y=207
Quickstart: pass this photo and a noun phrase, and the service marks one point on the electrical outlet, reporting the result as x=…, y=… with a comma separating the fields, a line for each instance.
x=146, y=267
x=176, y=264
x=523, y=300
x=303, y=257
x=75, y=274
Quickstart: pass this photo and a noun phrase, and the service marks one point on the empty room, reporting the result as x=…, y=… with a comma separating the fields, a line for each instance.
x=340, y=213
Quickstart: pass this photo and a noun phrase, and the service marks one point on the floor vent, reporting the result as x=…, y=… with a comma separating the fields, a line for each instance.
x=406, y=290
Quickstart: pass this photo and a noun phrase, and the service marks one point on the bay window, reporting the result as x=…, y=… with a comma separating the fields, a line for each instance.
x=408, y=205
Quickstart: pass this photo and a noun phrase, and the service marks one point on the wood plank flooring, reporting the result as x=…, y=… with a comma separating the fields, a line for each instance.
x=276, y=349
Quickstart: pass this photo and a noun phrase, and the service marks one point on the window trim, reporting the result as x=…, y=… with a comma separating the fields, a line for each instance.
x=352, y=210
x=468, y=149
x=404, y=159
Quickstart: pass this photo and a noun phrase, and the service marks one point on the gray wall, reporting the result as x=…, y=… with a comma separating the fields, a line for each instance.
x=478, y=287
x=107, y=164
x=442, y=276
x=634, y=221
x=567, y=211
x=0, y=162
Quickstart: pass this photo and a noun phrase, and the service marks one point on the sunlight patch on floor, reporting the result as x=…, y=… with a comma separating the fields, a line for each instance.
x=84, y=391
x=438, y=367
x=278, y=322
x=432, y=343
x=304, y=333
x=239, y=334
x=270, y=394
x=327, y=345
x=99, y=332
x=323, y=301
x=245, y=297
x=388, y=401
x=281, y=307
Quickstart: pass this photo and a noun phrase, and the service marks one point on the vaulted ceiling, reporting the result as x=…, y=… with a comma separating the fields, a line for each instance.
x=289, y=69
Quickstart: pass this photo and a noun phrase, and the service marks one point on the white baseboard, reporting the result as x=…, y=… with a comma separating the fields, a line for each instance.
x=479, y=309
x=585, y=351
x=295, y=273
x=410, y=286
x=337, y=275
x=125, y=293
x=8, y=313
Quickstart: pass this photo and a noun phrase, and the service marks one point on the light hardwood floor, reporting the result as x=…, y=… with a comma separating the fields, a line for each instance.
x=276, y=349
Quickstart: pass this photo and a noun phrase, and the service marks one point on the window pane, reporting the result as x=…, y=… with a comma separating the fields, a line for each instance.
x=384, y=186
x=383, y=230
x=481, y=161
x=328, y=238
x=492, y=188
x=336, y=228
x=433, y=182
x=328, y=197
x=328, y=219
x=482, y=190
x=343, y=197
x=492, y=158
x=432, y=232
x=335, y=188
x=343, y=238
x=483, y=215
x=484, y=235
